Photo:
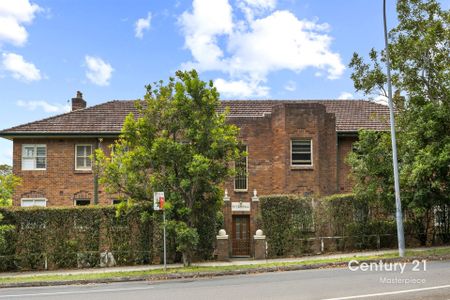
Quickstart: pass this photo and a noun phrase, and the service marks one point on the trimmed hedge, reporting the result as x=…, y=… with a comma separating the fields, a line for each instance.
x=293, y=224
x=286, y=220
x=75, y=237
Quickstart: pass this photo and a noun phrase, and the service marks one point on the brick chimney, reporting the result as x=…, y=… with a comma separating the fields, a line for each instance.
x=78, y=102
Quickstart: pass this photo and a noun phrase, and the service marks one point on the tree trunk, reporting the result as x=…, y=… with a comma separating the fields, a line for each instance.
x=187, y=259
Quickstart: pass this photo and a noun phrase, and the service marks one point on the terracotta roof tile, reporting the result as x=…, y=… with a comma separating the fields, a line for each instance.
x=351, y=115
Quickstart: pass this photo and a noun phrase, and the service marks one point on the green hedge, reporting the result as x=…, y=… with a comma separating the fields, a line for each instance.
x=286, y=221
x=295, y=225
x=73, y=237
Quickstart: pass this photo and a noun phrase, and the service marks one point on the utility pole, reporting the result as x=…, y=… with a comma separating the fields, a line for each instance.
x=398, y=203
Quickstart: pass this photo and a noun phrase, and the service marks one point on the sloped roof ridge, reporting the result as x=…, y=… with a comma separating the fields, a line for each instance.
x=67, y=113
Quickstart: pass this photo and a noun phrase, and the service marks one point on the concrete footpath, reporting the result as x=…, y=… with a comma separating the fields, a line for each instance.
x=233, y=262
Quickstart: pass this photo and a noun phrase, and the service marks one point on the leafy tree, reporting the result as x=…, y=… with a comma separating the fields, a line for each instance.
x=5, y=170
x=181, y=144
x=420, y=59
x=8, y=182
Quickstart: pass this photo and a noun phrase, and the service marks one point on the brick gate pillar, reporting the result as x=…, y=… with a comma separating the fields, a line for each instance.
x=222, y=246
x=260, y=244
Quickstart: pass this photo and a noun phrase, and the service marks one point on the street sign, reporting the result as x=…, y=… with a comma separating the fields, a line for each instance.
x=158, y=201
x=158, y=204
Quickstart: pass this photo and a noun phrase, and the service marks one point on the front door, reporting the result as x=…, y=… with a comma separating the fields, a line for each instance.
x=241, y=236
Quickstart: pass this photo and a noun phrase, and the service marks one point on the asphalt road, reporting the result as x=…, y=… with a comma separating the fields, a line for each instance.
x=432, y=283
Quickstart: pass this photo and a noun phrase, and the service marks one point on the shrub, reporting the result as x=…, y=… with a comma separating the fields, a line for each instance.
x=75, y=236
x=286, y=221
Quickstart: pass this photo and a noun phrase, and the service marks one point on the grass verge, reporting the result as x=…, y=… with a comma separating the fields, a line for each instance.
x=205, y=271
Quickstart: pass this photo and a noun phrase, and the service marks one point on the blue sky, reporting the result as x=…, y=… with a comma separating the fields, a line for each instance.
x=258, y=49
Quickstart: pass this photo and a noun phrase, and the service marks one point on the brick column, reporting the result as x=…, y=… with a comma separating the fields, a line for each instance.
x=222, y=247
x=260, y=244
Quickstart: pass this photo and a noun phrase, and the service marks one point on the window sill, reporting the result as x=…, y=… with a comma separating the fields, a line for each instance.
x=302, y=167
x=83, y=171
x=241, y=191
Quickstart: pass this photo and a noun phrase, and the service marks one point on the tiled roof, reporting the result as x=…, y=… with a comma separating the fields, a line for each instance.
x=351, y=115
x=107, y=118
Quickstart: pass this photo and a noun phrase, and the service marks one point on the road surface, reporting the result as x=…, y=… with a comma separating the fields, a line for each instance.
x=342, y=283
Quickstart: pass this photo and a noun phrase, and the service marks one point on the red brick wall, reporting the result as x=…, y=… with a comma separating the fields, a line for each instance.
x=269, y=162
x=60, y=181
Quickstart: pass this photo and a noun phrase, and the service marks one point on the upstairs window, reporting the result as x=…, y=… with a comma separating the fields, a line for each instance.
x=34, y=157
x=301, y=153
x=83, y=160
x=241, y=178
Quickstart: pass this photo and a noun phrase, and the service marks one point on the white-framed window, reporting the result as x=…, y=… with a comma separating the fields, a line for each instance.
x=28, y=202
x=241, y=177
x=83, y=154
x=301, y=153
x=34, y=157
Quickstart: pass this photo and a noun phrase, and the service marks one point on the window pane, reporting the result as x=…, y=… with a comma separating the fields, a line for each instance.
x=301, y=152
x=82, y=202
x=33, y=202
x=80, y=162
x=27, y=203
x=301, y=157
x=240, y=179
x=88, y=150
x=40, y=151
x=28, y=152
x=40, y=163
x=88, y=162
x=301, y=146
x=40, y=202
x=27, y=164
x=80, y=151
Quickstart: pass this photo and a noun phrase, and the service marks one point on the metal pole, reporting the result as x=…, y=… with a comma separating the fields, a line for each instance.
x=398, y=203
x=164, y=230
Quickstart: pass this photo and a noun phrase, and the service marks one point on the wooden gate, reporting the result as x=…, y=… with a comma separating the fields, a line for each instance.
x=241, y=236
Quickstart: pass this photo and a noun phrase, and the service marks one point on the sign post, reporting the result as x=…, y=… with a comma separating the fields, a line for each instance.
x=158, y=204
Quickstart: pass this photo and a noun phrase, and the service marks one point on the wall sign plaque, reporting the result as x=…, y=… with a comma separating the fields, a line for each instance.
x=240, y=206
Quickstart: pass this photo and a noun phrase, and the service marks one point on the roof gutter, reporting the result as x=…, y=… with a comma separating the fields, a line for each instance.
x=347, y=133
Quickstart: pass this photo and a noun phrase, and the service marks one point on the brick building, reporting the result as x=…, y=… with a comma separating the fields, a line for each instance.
x=293, y=147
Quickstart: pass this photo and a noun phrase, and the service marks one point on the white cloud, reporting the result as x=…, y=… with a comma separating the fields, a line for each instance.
x=141, y=25
x=208, y=20
x=290, y=86
x=240, y=88
x=265, y=4
x=14, y=14
x=45, y=106
x=345, y=96
x=381, y=100
x=19, y=68
x=252, y=8
x=98, y=71
x=251, y=48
